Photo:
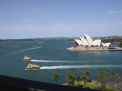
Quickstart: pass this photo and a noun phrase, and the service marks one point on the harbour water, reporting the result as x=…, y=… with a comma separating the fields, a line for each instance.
x=52, y=55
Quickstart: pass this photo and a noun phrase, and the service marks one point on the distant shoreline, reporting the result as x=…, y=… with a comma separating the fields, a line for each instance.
x=102, y=37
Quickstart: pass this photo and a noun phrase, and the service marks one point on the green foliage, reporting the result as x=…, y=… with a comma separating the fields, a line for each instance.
x=86, y=82
x=103, y=76
x=120, y=44
x=86, y=76
x=109, y=89
x=71, y=78
x=56, y=77
x=78, y=83
x=90, y=85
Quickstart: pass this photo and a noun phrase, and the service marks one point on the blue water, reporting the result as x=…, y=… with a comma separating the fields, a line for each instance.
x=52, y=55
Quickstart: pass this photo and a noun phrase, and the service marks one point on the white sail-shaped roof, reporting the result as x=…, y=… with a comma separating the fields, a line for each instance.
x=106, y=44
x=78, y=41
x=88, y=41
x=96, y=42
x=88, y=38
x=84, y=41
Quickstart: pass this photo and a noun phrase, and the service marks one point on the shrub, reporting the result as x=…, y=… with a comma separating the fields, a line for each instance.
x=71, y=78
x=120, y=44
x=56, y=77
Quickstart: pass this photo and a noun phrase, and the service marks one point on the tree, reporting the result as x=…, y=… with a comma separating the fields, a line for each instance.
x=71, y=78
x=102, y=77
x=86, y=77
x=120, y=44
x=56, y=77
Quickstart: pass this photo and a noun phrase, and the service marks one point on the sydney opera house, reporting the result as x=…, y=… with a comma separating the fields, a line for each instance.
x=85, y=43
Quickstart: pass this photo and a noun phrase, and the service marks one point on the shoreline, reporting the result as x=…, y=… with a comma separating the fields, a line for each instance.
x=80, y=49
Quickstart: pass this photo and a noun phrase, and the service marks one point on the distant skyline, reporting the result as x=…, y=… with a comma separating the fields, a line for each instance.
x=59, y=18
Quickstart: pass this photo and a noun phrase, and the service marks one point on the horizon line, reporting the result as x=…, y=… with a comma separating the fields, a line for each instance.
x=58, y=37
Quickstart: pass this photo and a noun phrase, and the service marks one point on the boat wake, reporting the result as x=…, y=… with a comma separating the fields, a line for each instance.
x=29, y=49
x=56, y=61
x=79, y=66
x=23, y=50
x=32, y=48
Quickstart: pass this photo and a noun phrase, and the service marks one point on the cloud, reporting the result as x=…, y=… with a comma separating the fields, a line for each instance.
x=115, y=12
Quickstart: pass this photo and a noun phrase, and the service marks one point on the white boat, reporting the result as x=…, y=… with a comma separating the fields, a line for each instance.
x=27, y=59
x=31, y=66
